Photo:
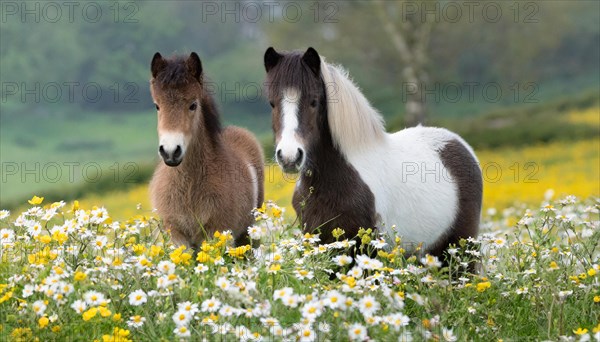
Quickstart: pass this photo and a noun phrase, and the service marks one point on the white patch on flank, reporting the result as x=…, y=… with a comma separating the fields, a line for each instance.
x=254, y=180
x=412, y=188
x=170, y=140
x=289, y=143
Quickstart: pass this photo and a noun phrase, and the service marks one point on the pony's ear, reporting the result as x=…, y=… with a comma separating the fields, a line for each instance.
x=272, y=57
x=194, y=65
x=158, y=64
x=312, y=59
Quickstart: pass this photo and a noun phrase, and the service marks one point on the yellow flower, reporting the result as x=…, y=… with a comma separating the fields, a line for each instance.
x=365, y=240
x=119, y=335
x=138, y=249
x=79, y=276
x=43, y=322
x=75, y=205
x=276, y=212
x=89, y=314
x=36, y=200
x=6, y=297
x=21, y=334
x=60, y=237
x=580, y=331
x=274, y=268
x=350, y=281
x=156, y=251
x=596, y=328
x=104, y=312
x=596, y=299
x=483, y=286
x=553, y=265
x=337, y=233
x=56, y=328
x=238, y=252
x=46, y=239
x=116, y=317
x=203, y=257
x=179, y=257
x=262, y=209
x=591, y=272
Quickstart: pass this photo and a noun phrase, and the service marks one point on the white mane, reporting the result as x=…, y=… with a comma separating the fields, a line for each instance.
x=354, y=123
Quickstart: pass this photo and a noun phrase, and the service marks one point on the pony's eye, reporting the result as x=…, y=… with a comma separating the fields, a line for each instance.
x=313, y=103
x=157, y=108
x=193, y=106
x=272, y=104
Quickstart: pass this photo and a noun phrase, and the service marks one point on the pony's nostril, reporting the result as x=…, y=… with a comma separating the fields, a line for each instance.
x=177, y=152
x=278, y=155
x=300, y=155
x=161, y=151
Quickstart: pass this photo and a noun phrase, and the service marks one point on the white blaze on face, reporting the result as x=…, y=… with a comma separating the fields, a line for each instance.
x=170, y=140
x=289, y=143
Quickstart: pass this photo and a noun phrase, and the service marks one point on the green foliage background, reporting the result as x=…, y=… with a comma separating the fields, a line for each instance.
x=553, y=45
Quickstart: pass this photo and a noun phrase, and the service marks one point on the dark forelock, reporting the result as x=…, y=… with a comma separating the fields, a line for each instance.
x=175, y=73
x=291, y=71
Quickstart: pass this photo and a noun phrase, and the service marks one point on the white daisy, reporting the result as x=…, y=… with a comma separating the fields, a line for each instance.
x=449, y=335
x=190, y=307
x=306, y=334
x=39, y=307
x=334, y=299
x=201, y=268
x=28, y=290
x=431, y=261
x=136, y=321
x=281, y=293
x=223, y=283
x=181, y=318
x=211, y=305
x=7, y=236
x=312, y=310
x=182, y=331
x=357, y=332
x=137, y=298
x=368, y=305
x=367, y=263
x=100, y=242
x=93, y=298
x=342, y=260
x=166, y=267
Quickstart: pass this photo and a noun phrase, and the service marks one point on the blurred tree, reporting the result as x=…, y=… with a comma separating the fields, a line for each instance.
x=410, y=38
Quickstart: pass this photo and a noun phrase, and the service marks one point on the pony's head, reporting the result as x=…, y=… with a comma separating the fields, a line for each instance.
x=316, y=104
x=296, y=93
x=176, y=88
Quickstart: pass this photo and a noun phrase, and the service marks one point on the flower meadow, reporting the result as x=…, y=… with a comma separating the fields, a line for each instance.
x=73, y=273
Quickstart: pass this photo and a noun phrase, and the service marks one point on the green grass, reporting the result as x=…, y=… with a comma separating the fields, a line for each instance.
x=66, y=150
x=538, y=280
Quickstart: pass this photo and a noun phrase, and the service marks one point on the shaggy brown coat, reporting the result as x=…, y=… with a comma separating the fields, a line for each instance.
x=220, y=179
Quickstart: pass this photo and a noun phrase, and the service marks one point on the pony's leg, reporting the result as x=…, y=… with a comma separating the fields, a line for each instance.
x=178, y=239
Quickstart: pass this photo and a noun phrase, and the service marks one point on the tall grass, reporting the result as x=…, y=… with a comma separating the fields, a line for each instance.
x=72, y=272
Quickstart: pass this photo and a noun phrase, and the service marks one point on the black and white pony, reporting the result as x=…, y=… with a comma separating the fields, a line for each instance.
x=423, y=183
